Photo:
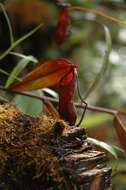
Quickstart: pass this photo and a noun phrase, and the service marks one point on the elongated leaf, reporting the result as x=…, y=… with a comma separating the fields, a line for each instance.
x=45, y=75
x=8, y=23
x=30, y=57
x=50, y=92
x=4, y=72
x=20, y=66
x=103, y=145
x=120, y=126
x=7, y=74
x=17, y=42
x=119, y=150
x=105, y=63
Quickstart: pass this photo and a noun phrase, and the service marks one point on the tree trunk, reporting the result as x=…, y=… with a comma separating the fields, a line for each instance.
x=46, y=154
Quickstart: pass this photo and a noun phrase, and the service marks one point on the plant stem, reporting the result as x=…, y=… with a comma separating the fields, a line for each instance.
x=97, y=109
x=97, y=12
x=43, y=98
x=17, y=42
x=8, y=23
x=22, y=93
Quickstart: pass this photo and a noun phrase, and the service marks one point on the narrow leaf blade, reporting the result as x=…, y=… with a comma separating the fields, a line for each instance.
x=105, y=61
x=20, y=66
x=50, y=92
x=103, y=145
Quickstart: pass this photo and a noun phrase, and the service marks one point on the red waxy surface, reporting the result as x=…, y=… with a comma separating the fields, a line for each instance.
x=61, y=31
x=67, y=89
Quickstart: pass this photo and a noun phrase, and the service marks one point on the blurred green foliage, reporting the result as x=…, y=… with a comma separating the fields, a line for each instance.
x=85, y=46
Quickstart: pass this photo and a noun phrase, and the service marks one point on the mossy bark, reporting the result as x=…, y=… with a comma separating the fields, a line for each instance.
x=47, y=154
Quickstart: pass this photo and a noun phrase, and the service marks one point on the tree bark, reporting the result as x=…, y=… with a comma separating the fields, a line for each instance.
x=47, y=154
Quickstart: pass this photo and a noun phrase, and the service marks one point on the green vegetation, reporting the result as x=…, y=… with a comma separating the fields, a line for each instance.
x=101, y=70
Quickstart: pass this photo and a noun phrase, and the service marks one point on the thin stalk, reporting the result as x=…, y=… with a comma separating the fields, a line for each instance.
x=43, y=98
x=8, y=74
x=22, y=93
x=29, y=57
x=4, y=72
x=105, y=63
x=98, y=109
x=85, y=103
x=19, y=41
x=98, y=12
x=8, y=23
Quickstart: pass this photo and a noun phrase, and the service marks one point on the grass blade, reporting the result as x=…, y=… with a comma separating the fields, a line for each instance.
x=4, y=72
x=20, y=40
x=17, y=69
x=30, y=57
x=103, y=145
x=8, y=23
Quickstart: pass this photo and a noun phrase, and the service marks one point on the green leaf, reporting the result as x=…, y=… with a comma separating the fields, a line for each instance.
x=28, y=105
x=119, y=150
x=105, y=64
x=103, y=145
x=17, y=69
x=30, y=57
x=6, y=73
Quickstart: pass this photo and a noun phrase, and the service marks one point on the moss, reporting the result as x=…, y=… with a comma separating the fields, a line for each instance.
x=25, y=145
x=43, y=153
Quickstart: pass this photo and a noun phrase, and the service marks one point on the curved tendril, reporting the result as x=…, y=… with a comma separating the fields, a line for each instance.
x=85, y=108
x=98, y=12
